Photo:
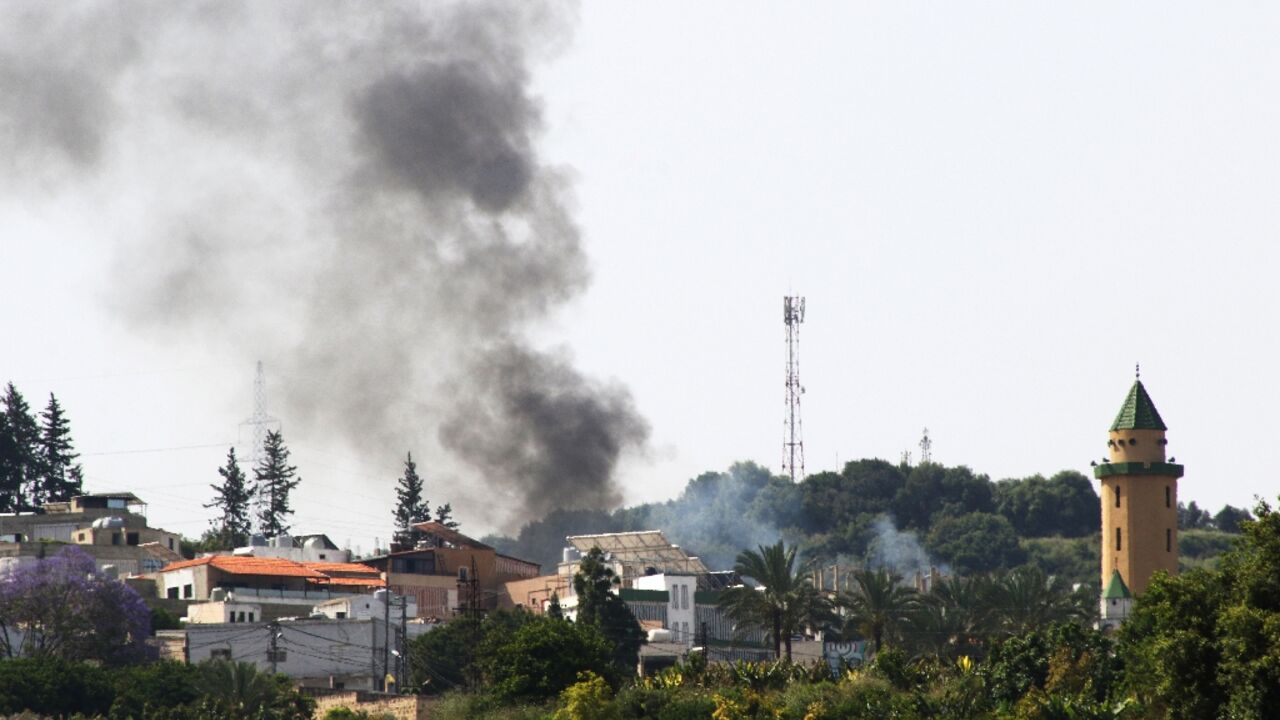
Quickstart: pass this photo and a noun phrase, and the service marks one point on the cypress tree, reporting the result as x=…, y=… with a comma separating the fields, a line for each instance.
x=411, y=508
x=10, y=468
x=24, y=443
x=60, y=476
x=234, y=522
x=444, y=516
x=274, y=479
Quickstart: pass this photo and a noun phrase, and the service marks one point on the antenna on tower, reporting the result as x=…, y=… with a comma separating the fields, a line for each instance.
x=260, y=423
x=792, y=438
x=926, y=445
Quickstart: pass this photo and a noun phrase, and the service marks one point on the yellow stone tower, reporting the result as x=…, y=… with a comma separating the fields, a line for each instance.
x=1139, y=501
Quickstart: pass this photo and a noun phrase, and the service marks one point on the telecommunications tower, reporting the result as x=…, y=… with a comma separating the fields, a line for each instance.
x=792, y=434
x=260, y=423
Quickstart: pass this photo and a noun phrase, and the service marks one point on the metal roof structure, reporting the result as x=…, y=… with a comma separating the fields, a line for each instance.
x=448, y=535
x=643, y=549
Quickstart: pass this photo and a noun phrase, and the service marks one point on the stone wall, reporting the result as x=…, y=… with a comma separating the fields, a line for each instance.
x=401, y=707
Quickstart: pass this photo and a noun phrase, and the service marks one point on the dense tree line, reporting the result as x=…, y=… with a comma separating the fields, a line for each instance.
x=37, y=457
x=951, y=515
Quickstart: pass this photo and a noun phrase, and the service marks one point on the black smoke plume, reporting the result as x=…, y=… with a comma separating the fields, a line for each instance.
x=350, y=192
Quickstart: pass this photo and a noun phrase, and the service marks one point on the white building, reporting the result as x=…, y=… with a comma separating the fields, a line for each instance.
x=302, y=548
x=222, y=611
x=681, y=605
x=343, y=654
x=366, y=607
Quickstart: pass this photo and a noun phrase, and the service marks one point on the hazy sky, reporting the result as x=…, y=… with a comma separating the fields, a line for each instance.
x=993, y=209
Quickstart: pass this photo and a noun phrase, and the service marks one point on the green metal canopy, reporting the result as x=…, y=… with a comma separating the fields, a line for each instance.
x=1116, y=589
x=1138, y=412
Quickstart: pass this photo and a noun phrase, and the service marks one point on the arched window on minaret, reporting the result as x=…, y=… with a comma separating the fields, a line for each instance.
x=1117, y=494
x=1117, y=539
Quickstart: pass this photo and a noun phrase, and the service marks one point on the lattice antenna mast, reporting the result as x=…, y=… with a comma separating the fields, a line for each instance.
x=260, y=423
x=793, y=436
x=926, y=447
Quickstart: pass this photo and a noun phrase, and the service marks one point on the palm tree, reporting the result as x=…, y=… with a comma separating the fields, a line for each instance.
x=878, y=607
x=954, y=618
x=239, y=685
x=1026, y=599
x=785, y=602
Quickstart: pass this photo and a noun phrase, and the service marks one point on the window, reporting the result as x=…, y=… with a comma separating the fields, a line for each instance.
x=462, y=574
x=1167, y=498
x=241, y=616
x=116, y=503
x=171, y=593
x=322, y=557
x=251, y=616
x=1168, y=539
x=220, y=654
x=341, y=615
x=115, y=538
x=1117, y=496
x=131, y=539
x=675, y=597
x=684, y=596
x=170, y=543
x=1117, y=538
x=187, y=591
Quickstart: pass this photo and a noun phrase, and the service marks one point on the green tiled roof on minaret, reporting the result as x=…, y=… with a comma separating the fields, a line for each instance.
x=1116, y=589
x=1138, y=412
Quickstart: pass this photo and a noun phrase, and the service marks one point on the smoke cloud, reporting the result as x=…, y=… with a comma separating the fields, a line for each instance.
x=351, y=193
x=897, y=550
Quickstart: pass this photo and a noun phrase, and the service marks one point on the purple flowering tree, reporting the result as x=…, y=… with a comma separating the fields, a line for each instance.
x=62, y=606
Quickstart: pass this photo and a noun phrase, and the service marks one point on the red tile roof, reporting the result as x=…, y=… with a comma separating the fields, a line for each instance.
x=329, y=568
x=353, y=581
x=249, y=565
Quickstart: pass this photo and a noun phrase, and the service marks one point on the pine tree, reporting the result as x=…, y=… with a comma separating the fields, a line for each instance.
x=60, y=476
x=10, y=468
x=234, y=522
x=444, y=516
x=24, y=460
x=274, y=478
x=411, y=508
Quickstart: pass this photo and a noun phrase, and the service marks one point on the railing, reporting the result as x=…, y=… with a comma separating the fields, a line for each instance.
x=266, y=594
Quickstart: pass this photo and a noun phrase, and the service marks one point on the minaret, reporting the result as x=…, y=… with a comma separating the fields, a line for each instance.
x=1139, y=503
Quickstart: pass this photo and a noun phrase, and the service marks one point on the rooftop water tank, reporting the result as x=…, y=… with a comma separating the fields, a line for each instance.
x=108, y=522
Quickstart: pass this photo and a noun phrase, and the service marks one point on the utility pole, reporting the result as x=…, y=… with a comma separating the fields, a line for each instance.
x=386, y=638
x=273, y=655
x=792, y=438
x=403, y=674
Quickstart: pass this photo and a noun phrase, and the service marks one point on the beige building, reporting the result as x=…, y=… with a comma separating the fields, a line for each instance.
x=1139, y=502
x=449, y=572
x=97, y=519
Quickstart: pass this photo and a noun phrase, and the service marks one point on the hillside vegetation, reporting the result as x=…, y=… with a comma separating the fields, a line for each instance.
x=878, y=513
